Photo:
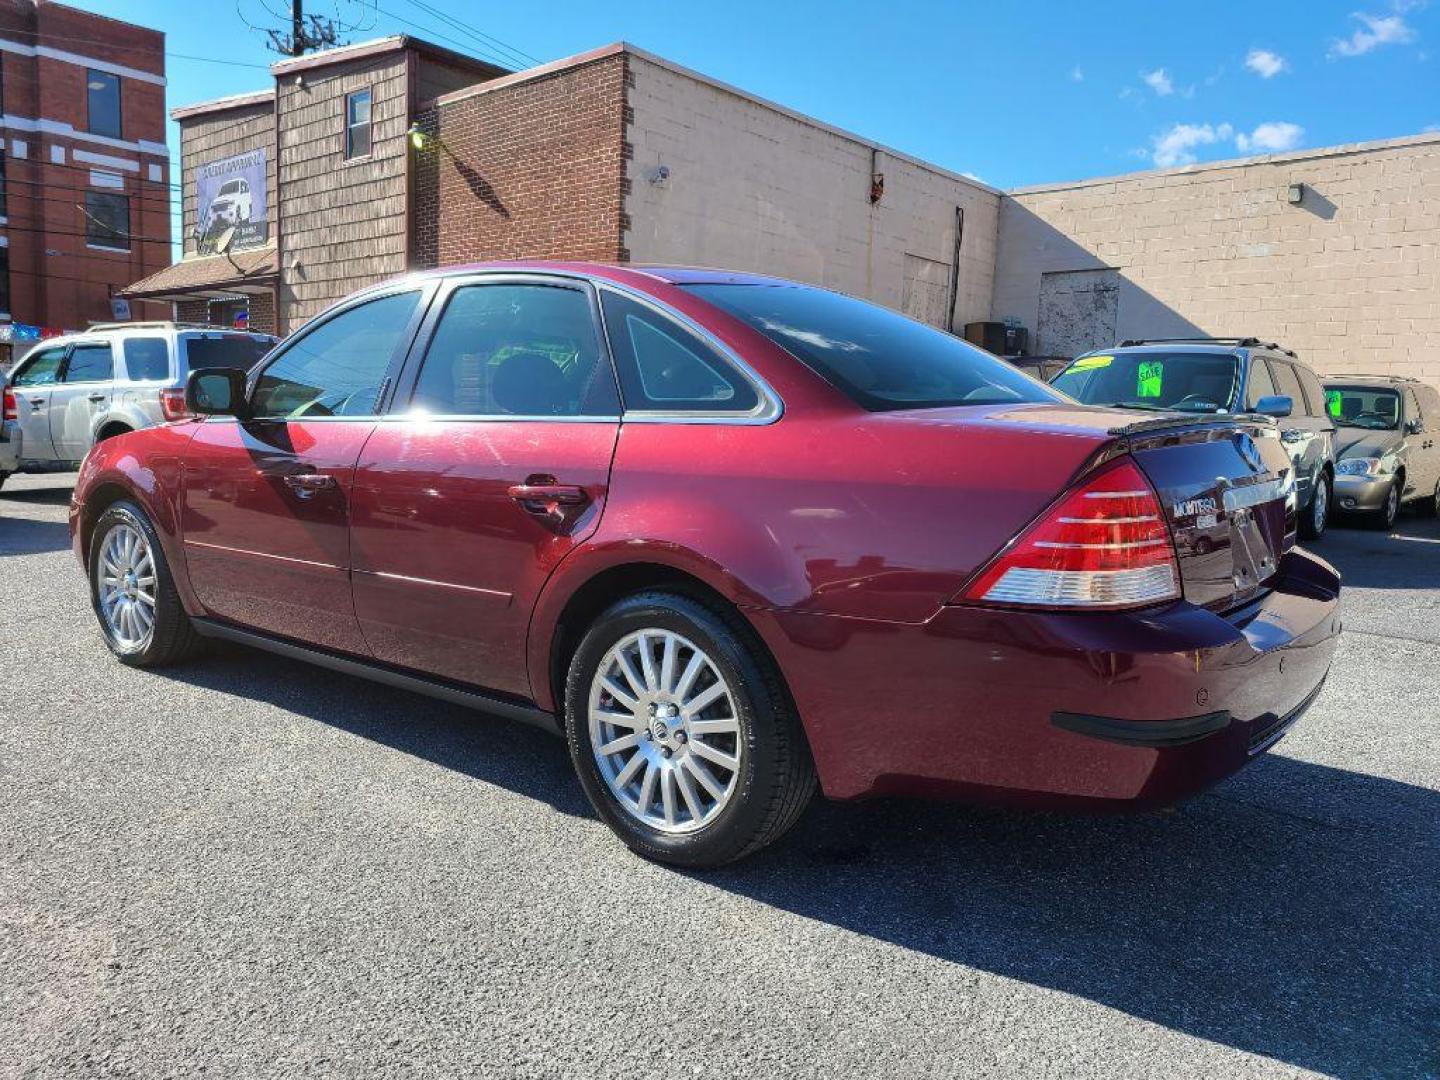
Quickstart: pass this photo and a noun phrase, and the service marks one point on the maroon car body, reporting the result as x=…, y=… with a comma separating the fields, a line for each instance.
x=844, y=536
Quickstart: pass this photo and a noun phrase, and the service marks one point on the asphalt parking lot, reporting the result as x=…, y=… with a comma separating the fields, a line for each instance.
x=249, y=867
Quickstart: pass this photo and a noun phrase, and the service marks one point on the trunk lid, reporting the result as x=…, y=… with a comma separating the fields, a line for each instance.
x=1227, y=489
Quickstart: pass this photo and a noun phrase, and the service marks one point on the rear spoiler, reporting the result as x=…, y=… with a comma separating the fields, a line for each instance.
x=1171, y=422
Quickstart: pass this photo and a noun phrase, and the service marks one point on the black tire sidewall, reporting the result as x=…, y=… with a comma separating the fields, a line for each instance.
x=732, y=831
x=167, y=607
x=1310, y=529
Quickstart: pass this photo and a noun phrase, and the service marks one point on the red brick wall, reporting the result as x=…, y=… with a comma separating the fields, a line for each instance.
x=528, y=170
x=56, y=278
x=262, y=312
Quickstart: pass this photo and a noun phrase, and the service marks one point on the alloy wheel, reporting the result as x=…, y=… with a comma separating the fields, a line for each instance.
x=127, y=587
x=1392, y=505
x=665, y=731
x=1320, y=506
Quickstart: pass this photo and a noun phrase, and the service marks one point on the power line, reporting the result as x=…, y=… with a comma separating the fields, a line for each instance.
x=11, y=161
x=520, y=56
x=42, y=38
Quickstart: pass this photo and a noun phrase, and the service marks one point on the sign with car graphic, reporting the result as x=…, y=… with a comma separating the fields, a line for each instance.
x=230, y=203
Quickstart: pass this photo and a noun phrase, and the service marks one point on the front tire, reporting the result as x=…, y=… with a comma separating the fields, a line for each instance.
x=133, y=592
x=1384, y=518
x=1317, y=515
x=682, y=734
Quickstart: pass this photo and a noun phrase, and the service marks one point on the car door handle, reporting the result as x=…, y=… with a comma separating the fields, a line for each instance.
x=36, y=403
x=97, y=397
x=538, y=498
x=309, y=484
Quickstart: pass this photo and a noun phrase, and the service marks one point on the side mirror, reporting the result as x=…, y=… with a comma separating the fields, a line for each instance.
x=1276, y=405
x=1413, y=427
x=216, y=392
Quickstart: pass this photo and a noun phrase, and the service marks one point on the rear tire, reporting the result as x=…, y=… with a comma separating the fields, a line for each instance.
x=3, y=477
x=1430, y=507
x=1316, y=517
x=133, y=592
x=667, y=791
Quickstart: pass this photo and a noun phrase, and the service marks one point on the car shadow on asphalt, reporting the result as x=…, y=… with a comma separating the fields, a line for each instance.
x=1291, y=912
x=1407, y=557
x=38, y=496
x=26, y=536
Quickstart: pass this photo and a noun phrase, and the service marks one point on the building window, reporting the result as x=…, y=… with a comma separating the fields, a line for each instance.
x=357, y=124
x=107, y=220
x=103, y=95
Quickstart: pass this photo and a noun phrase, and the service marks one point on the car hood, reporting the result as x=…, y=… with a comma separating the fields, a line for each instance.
x=1357, y=442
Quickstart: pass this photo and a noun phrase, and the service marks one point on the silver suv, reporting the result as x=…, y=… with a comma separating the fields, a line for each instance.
x=73, y=391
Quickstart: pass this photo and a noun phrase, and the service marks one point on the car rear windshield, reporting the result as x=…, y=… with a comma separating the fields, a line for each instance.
x=1185, y=381
x=878, y=358
x=238, y=351
x=1363, y=406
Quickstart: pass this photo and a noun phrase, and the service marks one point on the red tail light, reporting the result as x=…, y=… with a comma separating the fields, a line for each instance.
x=1105, y=544
x=12, y=409
x=172, y=404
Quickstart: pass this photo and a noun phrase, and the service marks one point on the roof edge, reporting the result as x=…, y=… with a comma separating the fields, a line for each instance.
x=527, y=74
x=1338, y=150
x=379, y=47
x=231, y=101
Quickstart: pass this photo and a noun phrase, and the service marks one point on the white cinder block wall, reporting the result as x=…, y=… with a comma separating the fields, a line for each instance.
x=1350, y=278
x=753, y=186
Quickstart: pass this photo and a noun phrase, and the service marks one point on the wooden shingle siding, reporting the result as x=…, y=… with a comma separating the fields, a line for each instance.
x=343, y=221
x=219, y=135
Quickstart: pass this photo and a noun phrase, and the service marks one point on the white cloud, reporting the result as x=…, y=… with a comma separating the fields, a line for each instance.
x=1376, y=30
x=1176, y=145
x=1271, y=137
x=1158, y=81
x=1265, y=63
x=1077, y=74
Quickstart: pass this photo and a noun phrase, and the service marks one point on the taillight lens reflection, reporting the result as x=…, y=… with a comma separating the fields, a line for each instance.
x=1104, y=545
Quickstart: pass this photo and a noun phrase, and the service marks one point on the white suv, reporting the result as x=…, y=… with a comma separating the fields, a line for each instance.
x=73, y=391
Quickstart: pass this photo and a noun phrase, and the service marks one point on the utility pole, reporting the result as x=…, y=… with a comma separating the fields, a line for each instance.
x=297, y=27
x=307, y=32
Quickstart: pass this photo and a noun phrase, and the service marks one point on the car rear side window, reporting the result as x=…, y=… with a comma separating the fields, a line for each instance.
x=147, y=359
x=90, y=363
x=516, y=350
x=666, y=367
x=339, y=367
x=878, y=358
x=237, y=351
x=41, y=369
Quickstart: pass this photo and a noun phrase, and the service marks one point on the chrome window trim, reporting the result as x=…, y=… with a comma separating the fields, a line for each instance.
x=769, y=409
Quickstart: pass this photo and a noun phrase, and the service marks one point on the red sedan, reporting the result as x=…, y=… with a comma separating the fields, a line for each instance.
x=732, y=536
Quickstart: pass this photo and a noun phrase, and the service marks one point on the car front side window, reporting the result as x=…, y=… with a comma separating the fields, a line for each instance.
x=338, y=368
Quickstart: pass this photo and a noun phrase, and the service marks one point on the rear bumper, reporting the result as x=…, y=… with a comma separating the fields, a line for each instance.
x=1362, y=492
x=1094, y=710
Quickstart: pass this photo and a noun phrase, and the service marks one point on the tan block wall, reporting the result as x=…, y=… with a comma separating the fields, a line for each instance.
x=1350, y=278
x=754, y=187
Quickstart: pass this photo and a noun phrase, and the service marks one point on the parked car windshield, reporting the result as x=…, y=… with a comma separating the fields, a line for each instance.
x=878, y=358
x=1363, y=407
x=1183, y=381
x=237, y=351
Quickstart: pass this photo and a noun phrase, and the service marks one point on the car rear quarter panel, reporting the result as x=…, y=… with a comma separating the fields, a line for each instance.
x=872, y=517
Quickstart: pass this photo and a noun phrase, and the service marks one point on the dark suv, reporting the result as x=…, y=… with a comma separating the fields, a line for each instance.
x=1387, y=444
x=1244, y=376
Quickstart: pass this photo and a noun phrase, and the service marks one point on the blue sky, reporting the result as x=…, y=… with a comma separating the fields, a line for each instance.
x=1012, y=93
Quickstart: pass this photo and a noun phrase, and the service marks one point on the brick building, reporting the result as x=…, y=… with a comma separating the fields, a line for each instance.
x=84, y=195
x=395, y=154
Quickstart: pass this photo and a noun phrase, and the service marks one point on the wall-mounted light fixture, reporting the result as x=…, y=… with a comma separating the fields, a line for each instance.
x=1295, y=194
x=659, y=174
x=420, y=140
